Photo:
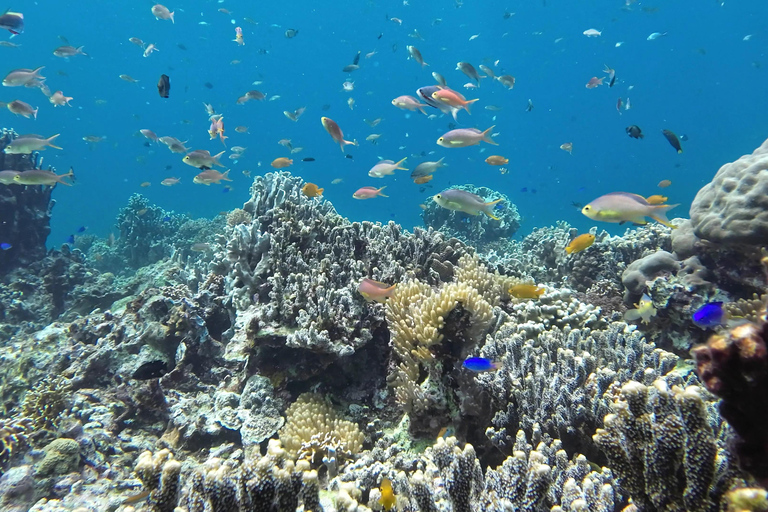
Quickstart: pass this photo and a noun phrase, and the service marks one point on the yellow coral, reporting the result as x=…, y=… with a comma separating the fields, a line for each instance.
x=312, y=427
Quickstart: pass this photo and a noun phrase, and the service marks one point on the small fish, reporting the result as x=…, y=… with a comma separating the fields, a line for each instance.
x=427, y=168
x=58, y=99
x=594, y=82
x=655, y=36
x=209, y=176
x=336, y=181
x=200, y=247
x=5, y=246
x=469, y=70
x=619, y=104
x=406, y=102
x=423, y=179
x=308, y=159
x=710, y=315
x=673, y=140
x=611, y=75
x=567, y=146
x=644, y=311
x=42, y=177
x=351, y=103
x=350, y=68
x=416, y=55
x=70, y=240
x=464, y=137
x=664, y=183
x=161, y=12
x=386, y=168
x=438, y=78
x=24, y=77
x=282, y=162
x=580, y=243
x=128, y=78
x=169, y=182
x=291, y=33
x=149, y=49
x=528, y=107
x=241, y=129
x=23, y=109
x=634, y=131
x=335, y=132
x=68, y=51
x=93, y=139
x=26, y=144
x=507, y=81
x=591, y=32
x=621, y=207
x=656, y=199
x=202, y=159
x=387, y=498
x=526, y=291
x=373, y=123
x=480, y=364
x=375, y=291
x=467, y=202
x=312, y=190
x=239, y=36
x=368, y=192
x=496, y=160
x=149, y=134
x=137, y=41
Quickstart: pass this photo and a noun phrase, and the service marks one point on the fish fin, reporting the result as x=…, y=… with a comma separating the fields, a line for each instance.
x=400, y=163
x=454, y=113
x=487, y=138
x=382, y=188
x=488, y=208
x=660, y=214
x=466, y=106
x=51, y=139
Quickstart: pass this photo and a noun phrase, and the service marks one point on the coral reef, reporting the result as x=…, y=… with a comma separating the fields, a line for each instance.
x=479, y=231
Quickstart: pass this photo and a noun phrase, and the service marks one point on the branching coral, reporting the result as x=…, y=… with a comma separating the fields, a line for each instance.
x=13, y=436
x=44, y=403
x=314, y=431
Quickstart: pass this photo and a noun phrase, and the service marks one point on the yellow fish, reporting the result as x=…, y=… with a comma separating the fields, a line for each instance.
x=526, y=291
x=580, y=243
x=656, y=199
x=387, y=499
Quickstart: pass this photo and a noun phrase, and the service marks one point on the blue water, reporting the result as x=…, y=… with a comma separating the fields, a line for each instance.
x=702, y=80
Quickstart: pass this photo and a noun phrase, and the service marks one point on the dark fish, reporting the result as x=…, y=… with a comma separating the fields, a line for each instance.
x=308, y=159
x=164, y=86
x=524, y=189
x=379, y=36
x=168, y=167
x=673, y=140
x=291, y=33
x=529, y=107
x=533, y=191
x=508, y=15
x=208, y=85
x=167, y=218
x=70, y=239
x=348, y=156
x=356, y=60
x=394, y=47
x=12, y=22
x=82, y=229
x=181, y=46
x=634, y=131
x=326, y=107
x=350, y=68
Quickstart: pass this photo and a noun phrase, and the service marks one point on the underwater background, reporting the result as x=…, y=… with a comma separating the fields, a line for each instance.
x=701, y=79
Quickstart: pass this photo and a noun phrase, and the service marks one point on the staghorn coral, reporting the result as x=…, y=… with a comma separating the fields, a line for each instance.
x=44, y=403
x=661, y=445
x=313, y=431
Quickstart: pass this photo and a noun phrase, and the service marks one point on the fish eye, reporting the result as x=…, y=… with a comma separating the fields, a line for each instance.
x=438, y=196
x=587, y=208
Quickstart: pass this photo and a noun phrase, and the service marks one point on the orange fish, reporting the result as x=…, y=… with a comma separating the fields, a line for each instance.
x=526, y=291
x=279, y=163
x=580, y=243
x=335, y=132
x=374, y=290
x=496, y=160
x=656, y=199
x=311, y=190
x=423, y=179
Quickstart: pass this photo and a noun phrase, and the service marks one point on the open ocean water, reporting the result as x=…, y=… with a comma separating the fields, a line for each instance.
x=704, y=79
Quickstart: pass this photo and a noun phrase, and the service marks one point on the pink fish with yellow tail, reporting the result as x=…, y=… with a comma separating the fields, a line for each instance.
x=369, y=192
x=621, y=207
x=374, y=290
x=335, y=132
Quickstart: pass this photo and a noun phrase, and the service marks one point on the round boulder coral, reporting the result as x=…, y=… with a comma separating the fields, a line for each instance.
x=733, y=207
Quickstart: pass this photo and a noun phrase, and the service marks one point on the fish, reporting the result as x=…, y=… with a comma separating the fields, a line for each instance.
x=200, y=247
x=643, y=310
x=611, y=75
x=280, y=163
x=136, y=41
x=335, y=132
x=427, y=168
x=164, y=86
x=7, y=177
x=619, y=104
x=580, y=243
x=26, y=144
x=128, y=78
x=58, y=99
x=594, y=82
x=13, y=22
x=5, y=246
x=368, y=192
x=41, y=177
x=69, y=51
x=239, y=36
x=308, y=159
x=202, y=159
x=209, y=176
x=161, y=12
x=634, y=131
x=507, y=81
x=348, y=86
x=23, y=109
x=496, y=160
x=423, y=179
x=621, y=207
x=351, y=103
x=480, y=364
x=145, y=184
x=438, y=78
x=149, y=49
x=406, y=102
x=350, y=68
x=373, y=123
x=415, y=54
x=526, y=291
x=673, y=140
x=664, y=183
x=387, y=498
x=464, y=137
x=386, y=168
x=567, y=146
x=656, y=199
x=446, y=432
x=425, y=93
x=655, y=35
x=528, y=107
x=467, y=202
x=291, y=33
x=8, y=44
x=70, y=240
x=241, y=129
x=169, y=182
x=710, y=315
x=453, y=99
x=24, y=77
x=591, y=32
x=488, y=71
x=93, y=139
x=149, y=134
x=312, y=190
x=469, y=70
x=375, y=291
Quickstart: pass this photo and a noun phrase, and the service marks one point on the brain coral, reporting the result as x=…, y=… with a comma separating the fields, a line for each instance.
x=733, y=207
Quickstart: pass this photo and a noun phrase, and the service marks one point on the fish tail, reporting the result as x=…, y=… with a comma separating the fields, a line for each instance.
x=172, y=20
x=34, y=112
x=487, y=138
x=488, y=208
x=51, y=139
x=660, y=214
x=399, y=164
x=379, y=191
x=468, y=103
x=421, y=109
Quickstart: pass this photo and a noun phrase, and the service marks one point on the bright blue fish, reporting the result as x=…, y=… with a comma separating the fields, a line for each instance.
x=710, y=315
x=480, y=364
x=71, y=239
x=82, y=229
x=5, y=246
